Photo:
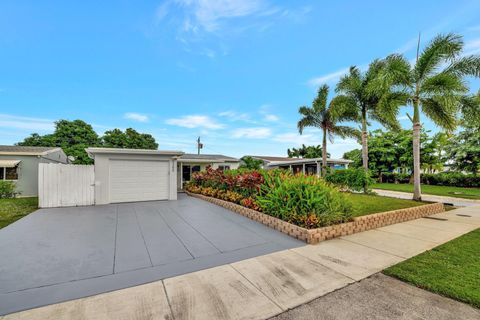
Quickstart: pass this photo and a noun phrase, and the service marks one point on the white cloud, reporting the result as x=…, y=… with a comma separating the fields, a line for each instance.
x=297, y=139
x=195, y=121
x=271, y=117
x=328, y=78
x=252, y=133
x=472, y=47
x=267, y=115
x=235, y=116
x=136, y=116
x=18, y=122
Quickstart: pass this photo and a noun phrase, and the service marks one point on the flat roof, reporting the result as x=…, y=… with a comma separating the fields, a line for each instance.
x=94, y=151
x=207, y=158
x=307, y=160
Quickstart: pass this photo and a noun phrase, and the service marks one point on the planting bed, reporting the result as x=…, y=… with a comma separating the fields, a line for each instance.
x=313, y=236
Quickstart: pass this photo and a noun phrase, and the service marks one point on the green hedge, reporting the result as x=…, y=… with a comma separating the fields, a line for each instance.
x=454, y=179
x=352, y=179
x=7, y=189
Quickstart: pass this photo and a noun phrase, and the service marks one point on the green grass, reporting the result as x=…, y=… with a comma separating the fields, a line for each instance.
x=13, y=209
x=367, y=204
x=466, y=193
x=452, y=269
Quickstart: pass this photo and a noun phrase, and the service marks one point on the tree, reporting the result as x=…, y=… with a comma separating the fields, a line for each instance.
x=130, y=139
x=356, y=156
x=327, y=117
x=434, y=84
x=251, y=163
x=307, y=152
x=464, y=150
x=382, y=106
x=72, y=136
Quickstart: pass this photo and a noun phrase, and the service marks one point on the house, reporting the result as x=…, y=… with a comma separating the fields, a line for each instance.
x=126, y=175
x=189, y=163
x=20, y=164
x=297, y=165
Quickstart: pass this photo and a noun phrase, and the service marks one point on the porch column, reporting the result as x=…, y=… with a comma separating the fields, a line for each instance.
x=318, y=169
x=181, y=175
x=290, y=168
x=303, y=168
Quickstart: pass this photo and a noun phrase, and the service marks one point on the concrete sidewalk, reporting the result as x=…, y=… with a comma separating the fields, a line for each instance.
x=268, y=285
x=458, y=202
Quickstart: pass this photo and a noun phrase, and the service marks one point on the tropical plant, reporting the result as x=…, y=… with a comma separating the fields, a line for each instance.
x=464, y=150
x=326, y=117
x=7, y=189
x=354, y=155
x=251, y=163
x=353, y=179
x=434, y=84
x=307, y=152
x=382, y=106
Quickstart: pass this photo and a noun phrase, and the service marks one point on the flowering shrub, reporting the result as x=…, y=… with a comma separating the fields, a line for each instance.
x=306, y=201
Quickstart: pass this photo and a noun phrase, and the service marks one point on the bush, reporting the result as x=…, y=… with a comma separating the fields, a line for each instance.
x=456, y=179
x=351, y=179
x=306, y=201
x=7, y=189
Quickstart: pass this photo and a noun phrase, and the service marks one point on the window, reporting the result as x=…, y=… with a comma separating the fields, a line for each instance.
x=8, y=173
x=195, y=169
x=223, y=168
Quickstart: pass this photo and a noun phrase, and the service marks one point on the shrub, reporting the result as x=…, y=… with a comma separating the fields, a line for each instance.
x=7, y=189
x=304, y=200
x=351, y=179
x=452, y=179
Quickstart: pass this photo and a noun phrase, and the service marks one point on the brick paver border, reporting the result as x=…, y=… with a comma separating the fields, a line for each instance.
x=313, y=236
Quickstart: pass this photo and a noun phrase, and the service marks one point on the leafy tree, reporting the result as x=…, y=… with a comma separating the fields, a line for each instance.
x=382, y=106
x=356, y=156
x=470, y=111
x=464, y=150
x=129, y=139
x=327, y=117
x=251, y=163
x=434, y=84
x=307, y=152
x=72, y=136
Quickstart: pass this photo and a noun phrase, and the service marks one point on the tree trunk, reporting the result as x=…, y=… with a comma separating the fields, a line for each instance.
x=324, y=153
x=364, y=146
x=417, y=193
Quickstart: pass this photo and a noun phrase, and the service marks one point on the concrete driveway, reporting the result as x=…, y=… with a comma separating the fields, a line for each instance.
x=59, y=254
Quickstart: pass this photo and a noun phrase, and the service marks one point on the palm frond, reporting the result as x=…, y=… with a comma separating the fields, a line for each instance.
x=345, y=132
x=441, y=109
x=444, y=83
x=393, y=71
x=310, y=119
x=320, y=102
x=344, y=108
x=465, y=66
x=441, y=49
x=470, y=110
x=350, y=83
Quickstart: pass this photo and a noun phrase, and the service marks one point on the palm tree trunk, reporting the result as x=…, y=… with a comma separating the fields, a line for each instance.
x=324, y=152
x=417, y=193
x=364, y=145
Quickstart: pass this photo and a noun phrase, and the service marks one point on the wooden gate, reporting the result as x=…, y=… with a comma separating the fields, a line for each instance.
x=65, y=185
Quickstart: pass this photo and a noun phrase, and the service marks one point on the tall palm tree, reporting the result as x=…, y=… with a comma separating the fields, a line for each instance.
x=377, y=105
x=434, y=84
x=326, y=117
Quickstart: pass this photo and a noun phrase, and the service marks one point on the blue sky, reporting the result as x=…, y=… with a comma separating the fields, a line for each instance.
x=232, y=71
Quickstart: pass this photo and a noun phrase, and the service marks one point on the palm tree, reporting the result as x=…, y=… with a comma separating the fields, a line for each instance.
x=326, y=117
x=380, y=106
x=434, y=84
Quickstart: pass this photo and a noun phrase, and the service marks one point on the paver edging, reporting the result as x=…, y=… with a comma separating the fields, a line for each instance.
x=313, y=236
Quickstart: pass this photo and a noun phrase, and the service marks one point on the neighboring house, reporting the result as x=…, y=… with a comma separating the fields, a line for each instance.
x=304, y=165
x=189, y=163
x=20, y=164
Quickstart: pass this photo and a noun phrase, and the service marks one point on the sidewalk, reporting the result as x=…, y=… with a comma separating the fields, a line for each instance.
x=458, y=202
x=265, y=286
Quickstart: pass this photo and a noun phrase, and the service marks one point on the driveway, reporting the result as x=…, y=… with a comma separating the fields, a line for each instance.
x=59, y=254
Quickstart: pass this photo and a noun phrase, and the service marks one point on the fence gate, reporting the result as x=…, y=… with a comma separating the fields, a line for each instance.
x=65, y=185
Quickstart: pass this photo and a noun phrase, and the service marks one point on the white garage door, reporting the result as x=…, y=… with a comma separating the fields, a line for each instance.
x=132, y=180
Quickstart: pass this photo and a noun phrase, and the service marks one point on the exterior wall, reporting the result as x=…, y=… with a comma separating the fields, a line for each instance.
x=54, y=157
x=27, y=183
x=102, y=173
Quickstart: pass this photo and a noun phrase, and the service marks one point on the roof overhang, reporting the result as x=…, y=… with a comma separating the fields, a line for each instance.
x=183, y=160
x=93, y=151
x=28, y=153
x=312, y=160
x=9, y=163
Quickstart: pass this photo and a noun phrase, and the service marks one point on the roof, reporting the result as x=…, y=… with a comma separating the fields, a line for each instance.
x=270, y=158
x=9, y=163
x=207, y=158
x=307, y=160
x=27, y=151
x=93, y=151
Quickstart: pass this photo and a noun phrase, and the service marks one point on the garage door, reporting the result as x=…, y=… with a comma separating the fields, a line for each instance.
x=132, y=180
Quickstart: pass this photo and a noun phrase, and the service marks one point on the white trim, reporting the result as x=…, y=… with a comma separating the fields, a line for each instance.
x=29, y=153
x=93, y=151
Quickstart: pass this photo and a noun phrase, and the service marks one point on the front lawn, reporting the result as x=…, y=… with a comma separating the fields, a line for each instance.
x=13, y=209
x=452, y=269
x=457, y=192
x=364, y=204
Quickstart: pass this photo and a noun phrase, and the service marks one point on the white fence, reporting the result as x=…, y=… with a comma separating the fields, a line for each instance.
x=65, y=185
